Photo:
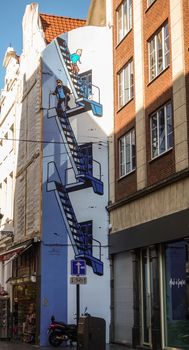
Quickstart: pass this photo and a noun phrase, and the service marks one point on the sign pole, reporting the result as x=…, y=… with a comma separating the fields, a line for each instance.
x=78, y=301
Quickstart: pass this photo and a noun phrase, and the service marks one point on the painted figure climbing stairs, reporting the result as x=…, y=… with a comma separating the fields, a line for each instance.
x=83, y=103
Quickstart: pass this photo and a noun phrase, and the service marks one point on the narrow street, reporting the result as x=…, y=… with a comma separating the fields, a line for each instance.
x=4, y=345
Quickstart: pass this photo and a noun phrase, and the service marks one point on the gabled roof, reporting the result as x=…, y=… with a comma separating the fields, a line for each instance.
x=56, y=25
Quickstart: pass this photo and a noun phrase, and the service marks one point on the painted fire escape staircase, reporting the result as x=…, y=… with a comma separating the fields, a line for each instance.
x=80, y=92
x=80, y=163
x=82, y=245
x=82, y=168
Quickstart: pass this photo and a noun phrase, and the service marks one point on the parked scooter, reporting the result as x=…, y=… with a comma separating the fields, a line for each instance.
x=60, y=332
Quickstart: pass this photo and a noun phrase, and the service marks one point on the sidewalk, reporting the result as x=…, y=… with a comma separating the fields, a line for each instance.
x=21, y=346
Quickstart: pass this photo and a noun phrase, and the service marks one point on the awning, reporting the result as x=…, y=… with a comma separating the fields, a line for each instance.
x=7, y=255
x=23, y=279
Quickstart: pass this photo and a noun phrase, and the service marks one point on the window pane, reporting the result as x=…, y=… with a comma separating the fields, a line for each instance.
x=152, y=59
x=131, y=80
x=128, y=153
x=119, y=24
x=126, y=85
x=125, y=18
x=130, y=15
x=154, y=136
x=120, y=82
x=159, y=53
x=133, y=150
x=169, y=126
x=161, y=131
x=122, y=159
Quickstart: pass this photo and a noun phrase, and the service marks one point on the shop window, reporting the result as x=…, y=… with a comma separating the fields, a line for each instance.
x=161, y=130
x=124, y=19
x=127, y=153
x=125, y=84
x=159, y=55
x=177, y=295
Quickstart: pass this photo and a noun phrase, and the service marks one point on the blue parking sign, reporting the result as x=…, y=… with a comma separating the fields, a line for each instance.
x=78, y=267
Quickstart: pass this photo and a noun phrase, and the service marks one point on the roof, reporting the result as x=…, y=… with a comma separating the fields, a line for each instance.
x=56, y=25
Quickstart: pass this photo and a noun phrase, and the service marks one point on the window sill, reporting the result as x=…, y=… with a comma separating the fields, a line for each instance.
x=123, y=176
x=160, y=155
x=157, y=76
x=149, y=7
x=119, y=109
x=118, y=44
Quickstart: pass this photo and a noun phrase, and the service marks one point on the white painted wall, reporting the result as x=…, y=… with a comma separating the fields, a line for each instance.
x=96, y=45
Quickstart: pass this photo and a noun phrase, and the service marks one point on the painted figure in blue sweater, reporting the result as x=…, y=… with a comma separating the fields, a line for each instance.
x=74, y=58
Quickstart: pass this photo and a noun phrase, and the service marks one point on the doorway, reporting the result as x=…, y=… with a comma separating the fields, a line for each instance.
x=146, y=296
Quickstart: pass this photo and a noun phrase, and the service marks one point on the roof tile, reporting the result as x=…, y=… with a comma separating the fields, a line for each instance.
x=56, y=25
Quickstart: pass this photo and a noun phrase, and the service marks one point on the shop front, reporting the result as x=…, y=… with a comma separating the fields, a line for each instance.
x=160, y=270
x=23, y=290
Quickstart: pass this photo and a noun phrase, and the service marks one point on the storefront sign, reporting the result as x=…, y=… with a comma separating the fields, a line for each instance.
x=177, y=282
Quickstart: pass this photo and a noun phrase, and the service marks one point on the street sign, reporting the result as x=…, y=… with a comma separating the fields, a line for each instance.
x=78, y=267
x=78, y=280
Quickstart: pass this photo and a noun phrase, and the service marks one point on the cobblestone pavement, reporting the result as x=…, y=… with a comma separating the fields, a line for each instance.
x=20, y=346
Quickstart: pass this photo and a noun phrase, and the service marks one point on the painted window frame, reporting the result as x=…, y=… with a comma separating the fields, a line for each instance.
x=168, y=130
x=153, y=51
x=125, y=84
x=127, y=164
x=124, y=11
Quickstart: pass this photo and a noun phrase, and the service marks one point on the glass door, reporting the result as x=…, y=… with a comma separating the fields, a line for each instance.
x=146, y=283
x=177, y=295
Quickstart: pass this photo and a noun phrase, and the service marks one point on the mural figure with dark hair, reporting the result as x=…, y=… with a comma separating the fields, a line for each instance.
x=62, y=93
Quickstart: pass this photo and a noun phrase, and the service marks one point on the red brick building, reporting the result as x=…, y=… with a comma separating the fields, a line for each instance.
x=149, y=174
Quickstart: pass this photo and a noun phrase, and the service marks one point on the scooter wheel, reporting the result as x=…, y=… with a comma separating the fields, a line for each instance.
x=53, y=339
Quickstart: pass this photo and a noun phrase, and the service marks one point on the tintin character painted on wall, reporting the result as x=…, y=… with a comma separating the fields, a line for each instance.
x=75, y=58
x=62, y=93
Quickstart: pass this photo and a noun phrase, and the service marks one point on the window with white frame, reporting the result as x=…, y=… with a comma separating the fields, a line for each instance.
x=161, y=130
x=124, y=19
x=159, y=55
x=125, y=84
x=127, y=153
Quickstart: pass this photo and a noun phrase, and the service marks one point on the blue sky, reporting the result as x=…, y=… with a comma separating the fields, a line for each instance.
x=11, y=14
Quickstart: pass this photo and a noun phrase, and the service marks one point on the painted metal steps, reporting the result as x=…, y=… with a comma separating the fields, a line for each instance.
x=79, y=240
x=75, y=84
x=83, y=173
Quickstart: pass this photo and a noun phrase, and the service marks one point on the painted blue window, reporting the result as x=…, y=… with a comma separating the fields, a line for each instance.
x=87, y=155
x=87, y=228
x=86, y=83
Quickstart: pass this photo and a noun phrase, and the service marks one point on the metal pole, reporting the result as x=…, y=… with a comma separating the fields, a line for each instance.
x=78, y=301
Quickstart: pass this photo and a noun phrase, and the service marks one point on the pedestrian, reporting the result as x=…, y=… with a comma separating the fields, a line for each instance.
x=75, y=58
x=62, y=93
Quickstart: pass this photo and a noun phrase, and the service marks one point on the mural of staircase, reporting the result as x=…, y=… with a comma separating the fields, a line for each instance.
x=81, y=243
x=83, y=103
x=81, y=164
x=82, y=169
